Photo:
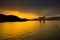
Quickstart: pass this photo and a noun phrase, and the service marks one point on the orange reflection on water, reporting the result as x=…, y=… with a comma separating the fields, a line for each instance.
x=11, y=29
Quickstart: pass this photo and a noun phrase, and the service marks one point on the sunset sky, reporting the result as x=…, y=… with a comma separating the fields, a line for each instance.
x=38, y=7
x=30, y=9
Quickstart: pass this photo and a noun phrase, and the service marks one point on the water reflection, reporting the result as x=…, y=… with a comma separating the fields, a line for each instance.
x=32, y=30
x=10, y=29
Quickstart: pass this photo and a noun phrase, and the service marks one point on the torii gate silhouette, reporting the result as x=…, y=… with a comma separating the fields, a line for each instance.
x=42, y=19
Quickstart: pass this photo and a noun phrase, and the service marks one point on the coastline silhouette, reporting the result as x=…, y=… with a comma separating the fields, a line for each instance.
x=11, y=18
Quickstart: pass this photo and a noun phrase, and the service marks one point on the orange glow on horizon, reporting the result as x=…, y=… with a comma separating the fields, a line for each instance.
x=20, y=14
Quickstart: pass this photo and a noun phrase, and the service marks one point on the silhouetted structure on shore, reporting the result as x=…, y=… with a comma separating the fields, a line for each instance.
x=10, y=18
x=42, y=19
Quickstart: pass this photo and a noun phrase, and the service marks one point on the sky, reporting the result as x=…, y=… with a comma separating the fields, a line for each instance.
x=38, y=7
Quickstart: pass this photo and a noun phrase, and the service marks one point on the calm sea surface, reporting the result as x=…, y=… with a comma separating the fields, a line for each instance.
x=30, y=30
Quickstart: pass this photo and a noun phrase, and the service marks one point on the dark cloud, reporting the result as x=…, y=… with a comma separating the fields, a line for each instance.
x=37, y=6
x=54, y=12
x=30, y=3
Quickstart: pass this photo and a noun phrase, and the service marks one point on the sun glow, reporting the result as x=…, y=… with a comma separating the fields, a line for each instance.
x=20, y=14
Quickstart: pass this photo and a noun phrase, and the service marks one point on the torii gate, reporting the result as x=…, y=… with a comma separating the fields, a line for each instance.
x=42, y=19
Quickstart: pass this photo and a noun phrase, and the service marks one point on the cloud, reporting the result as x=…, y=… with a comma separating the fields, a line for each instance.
x=54, y=12
x=39, y=7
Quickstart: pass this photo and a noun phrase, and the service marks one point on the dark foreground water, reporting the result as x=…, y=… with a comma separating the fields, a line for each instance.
x=33, y=30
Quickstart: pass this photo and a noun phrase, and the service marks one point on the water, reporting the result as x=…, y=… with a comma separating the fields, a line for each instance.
x=30, y=30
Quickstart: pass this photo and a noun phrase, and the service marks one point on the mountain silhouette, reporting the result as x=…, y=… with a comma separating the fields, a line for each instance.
x=10, y=18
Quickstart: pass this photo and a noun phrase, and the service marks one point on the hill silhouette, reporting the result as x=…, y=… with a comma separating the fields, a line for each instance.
x=10, y=18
